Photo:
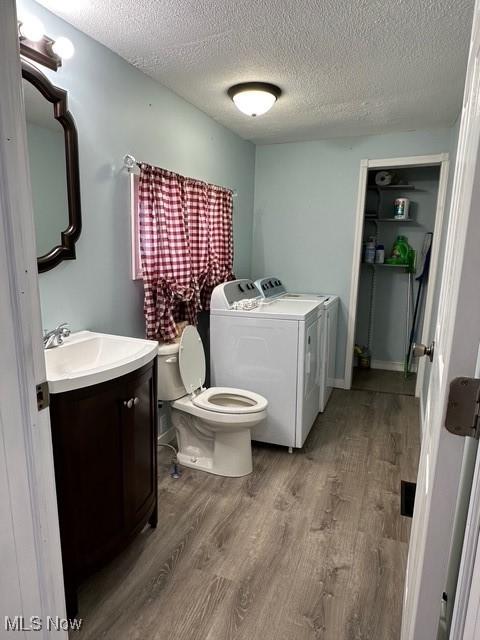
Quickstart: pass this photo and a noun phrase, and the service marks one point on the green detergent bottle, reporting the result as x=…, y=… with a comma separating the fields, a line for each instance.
x=401, y=252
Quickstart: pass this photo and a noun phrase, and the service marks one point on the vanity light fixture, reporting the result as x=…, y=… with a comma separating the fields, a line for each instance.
x=37, y=46
x=254, y=98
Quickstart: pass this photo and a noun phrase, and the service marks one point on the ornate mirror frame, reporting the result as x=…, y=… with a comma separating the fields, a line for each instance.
x=58, y=98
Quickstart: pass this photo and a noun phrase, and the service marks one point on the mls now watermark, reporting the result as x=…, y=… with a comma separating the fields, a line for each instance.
x=36, y=623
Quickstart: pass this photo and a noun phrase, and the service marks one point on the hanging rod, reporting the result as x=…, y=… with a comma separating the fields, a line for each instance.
x=132, y=166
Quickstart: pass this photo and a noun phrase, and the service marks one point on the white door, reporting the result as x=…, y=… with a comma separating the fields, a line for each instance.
x=457, y=337
x=31, y=572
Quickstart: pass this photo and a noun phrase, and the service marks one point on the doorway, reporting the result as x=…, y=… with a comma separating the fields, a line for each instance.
x=398, y=233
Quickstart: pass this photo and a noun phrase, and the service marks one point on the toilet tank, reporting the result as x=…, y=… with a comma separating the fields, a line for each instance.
x=170, y=385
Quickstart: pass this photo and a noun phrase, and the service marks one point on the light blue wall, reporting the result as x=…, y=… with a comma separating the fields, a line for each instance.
x=305, y=203
x=119, y=110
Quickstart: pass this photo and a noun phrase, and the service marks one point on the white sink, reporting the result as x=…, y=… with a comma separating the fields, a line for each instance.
x=86, y=358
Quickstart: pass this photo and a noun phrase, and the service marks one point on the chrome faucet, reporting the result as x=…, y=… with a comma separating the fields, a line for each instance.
x=55, y=337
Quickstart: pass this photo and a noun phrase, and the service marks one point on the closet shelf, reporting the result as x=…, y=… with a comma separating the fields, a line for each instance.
x=392, y=187
x=384, y=265
x=399, y=220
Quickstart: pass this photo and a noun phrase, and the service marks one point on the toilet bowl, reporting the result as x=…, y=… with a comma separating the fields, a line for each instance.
x=213, y=425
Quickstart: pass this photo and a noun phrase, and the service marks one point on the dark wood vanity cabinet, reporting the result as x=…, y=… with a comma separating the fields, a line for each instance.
x=104, y=447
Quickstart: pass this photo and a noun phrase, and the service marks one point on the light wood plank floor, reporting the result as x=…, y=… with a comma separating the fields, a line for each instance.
x=310, y=546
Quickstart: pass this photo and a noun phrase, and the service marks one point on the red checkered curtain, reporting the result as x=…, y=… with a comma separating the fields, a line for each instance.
x=220, y=240
x=186, y=246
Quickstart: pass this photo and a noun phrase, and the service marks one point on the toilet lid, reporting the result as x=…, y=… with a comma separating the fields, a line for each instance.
x=191, y=360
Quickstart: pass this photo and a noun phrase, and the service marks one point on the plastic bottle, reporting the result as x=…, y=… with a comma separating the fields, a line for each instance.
x=370, y=251
x=380, y=254
x=400, y=252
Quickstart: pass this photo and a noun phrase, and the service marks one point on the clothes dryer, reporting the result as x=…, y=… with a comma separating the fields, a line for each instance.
x=273, y=288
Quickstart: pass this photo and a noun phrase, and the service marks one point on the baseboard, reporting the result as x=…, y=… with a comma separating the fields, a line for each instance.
x=338, y=383
x=167, y=436
x=389, y=365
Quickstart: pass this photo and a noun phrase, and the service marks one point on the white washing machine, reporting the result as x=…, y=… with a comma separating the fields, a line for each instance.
x=270, y=348
x=273, y=287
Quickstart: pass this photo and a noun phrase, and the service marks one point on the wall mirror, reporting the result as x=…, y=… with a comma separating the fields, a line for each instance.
x=54, y=168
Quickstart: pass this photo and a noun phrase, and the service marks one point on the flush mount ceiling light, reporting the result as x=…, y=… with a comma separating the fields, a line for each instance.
x=254, y=98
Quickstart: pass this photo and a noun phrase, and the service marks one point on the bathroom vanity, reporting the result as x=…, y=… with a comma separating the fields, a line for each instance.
x=104, y=446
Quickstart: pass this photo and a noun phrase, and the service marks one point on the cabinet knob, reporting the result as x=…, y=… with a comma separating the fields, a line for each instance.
x=128, y=403
x=136, y=401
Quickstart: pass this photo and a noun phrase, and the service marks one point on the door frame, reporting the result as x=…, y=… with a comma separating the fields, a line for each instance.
x=466, y=611
x=469, y=600
x=441, y=160
x=32, y=580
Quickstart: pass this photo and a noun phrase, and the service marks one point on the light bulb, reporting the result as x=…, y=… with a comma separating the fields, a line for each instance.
x=32, y=29
x=63, y=48
x=254, y=98
x=254, y=103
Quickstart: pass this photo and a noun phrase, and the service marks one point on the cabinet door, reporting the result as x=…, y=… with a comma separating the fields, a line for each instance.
x=140, y=446
x=87, y=442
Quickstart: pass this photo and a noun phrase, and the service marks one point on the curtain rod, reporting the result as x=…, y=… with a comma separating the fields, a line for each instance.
x=131, y=165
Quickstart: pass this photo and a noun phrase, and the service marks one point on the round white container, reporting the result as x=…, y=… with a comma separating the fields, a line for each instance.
x=400, y=208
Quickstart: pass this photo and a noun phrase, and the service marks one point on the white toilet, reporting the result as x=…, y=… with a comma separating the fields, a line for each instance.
x=213, y=425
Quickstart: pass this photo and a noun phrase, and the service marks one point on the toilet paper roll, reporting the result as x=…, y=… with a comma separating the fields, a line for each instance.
x=383, y=178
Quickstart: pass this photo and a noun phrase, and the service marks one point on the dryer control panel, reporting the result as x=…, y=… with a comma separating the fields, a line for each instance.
x=270, y=287
x=228, y=294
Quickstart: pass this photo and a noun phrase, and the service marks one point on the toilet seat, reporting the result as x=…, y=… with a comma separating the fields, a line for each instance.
x=229, y=400
x=191, y=360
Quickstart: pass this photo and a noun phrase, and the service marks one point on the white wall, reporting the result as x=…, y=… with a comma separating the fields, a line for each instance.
x=305, y=201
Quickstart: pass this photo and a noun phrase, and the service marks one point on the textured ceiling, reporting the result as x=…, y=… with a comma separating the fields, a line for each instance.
x=347, y=67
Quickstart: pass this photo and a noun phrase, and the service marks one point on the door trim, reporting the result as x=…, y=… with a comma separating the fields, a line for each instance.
x=468, y=583
x=33, y=581
x=366, y=164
